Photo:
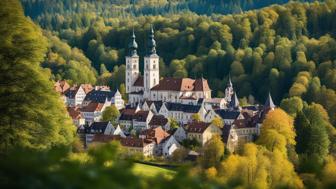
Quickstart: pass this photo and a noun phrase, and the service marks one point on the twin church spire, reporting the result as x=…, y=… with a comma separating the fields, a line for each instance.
x=151, y=44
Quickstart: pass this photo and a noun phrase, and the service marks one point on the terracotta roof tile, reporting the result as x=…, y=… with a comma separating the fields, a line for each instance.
x=182, y=84
x=197, y=127
x=92, y=107
x=74, y=112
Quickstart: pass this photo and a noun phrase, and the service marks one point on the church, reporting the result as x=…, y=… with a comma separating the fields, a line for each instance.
x=150, y=87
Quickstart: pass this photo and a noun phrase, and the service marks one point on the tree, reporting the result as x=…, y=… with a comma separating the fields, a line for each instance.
x=292, y=105
x=312, y=138
x=173, y=123
x=212, y=153
x=196, y=117
x=111, y=113
x=26, y=91
x=122, y=90
x=218, y=122
x=280, y=125
x=103, y=69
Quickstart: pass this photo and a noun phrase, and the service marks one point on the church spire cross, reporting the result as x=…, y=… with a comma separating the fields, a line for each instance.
x=151, y=44
x=133, y=46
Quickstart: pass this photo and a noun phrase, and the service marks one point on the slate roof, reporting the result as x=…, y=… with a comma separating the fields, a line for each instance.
x=71, y=93
x=182, y=84
x=99, y=96
x=227, y=114
x=187, y=108
x=139, y=82
x=226, y=132
x=197, y=127
x=234, y=103
x=97, y=127
x=157, y=104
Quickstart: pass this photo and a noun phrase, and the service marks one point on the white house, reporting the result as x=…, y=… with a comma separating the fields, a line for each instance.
x=103, y=95
x=119, y=132
x=75, y=96
x=93, y=112
x=169, y=146
x=180, y=134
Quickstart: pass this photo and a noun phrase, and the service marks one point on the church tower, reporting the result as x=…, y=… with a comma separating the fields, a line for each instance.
x=132, y=65
x=151, y=65
x=229, y=91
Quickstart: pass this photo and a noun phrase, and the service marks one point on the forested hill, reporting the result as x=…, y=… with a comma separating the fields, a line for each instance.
x=288, y=50
x=124, y=8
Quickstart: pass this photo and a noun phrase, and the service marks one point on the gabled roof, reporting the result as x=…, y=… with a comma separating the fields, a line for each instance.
x=243, y=123
x=182, y=84
x=197, y=127
x=92, y=107
x=99, y=96
x=87, y=88
x=71, y=93
x=158, y=120
x=99, y=126
x=61, y=86
x=187, y=108
x=119, y=132
x=157, y=134
x=157, y=104
x=227, y=114
x=139, y=82
x=74, y=112
x=132, y=114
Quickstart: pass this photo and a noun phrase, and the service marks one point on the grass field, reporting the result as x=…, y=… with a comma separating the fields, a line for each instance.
x=151, y=171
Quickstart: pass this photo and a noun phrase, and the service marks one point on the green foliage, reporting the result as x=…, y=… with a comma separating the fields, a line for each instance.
x=111, y=113
x=292, y=105
x=33, y=115
x=212, y=153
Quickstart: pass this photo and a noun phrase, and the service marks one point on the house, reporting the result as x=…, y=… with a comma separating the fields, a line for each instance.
x=218, y=103
x=156, y=134
x=182, y=113
x=119, y=132
x=76, y=116
x=154, y=106
x=138, y=145
x=104, y=96
x=169, y=145
x=75, y=96
x=202, y=131
x=93, y=112
x=159, y=121
x=230, y=138
x=247, y=131
x=103, y=127
x=135, y=118
x=180, y=134
x=228, y=116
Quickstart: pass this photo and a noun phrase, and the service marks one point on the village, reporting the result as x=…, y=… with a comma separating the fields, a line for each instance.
x=161, y=115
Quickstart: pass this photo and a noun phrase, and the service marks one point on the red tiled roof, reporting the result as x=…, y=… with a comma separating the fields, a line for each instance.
x=87, y=88
x=61, y=86
x=139, y=82
x=92, y=107
x=157, y=134
x=105, y=138
x=182, y=84
x=134, y=142
x=74, y=112
x=197, y=127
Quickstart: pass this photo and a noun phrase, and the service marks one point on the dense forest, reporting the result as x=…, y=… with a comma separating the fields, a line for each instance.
x=288, y=50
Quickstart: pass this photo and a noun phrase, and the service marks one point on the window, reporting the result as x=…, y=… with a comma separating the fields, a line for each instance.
x=134, y=66
x=154, y=66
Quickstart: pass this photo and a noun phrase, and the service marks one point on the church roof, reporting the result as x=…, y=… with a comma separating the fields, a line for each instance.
x=269, y=102
x=234, y=102
x=139, y=82
x=182, y=84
